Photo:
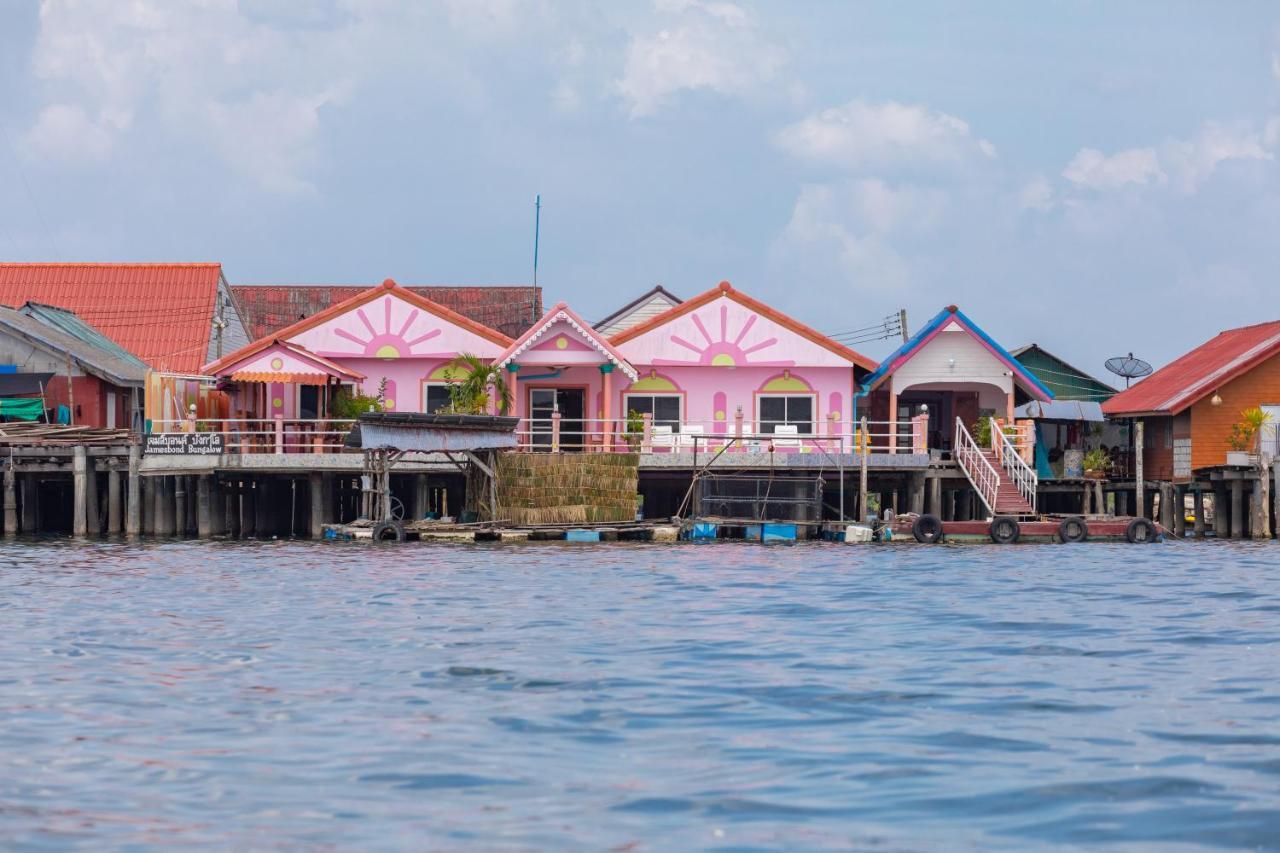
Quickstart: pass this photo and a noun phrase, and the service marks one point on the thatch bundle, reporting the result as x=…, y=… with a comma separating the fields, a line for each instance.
x=567, y=488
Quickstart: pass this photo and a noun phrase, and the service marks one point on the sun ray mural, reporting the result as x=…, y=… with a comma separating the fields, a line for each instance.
x=403, y=329
x=721, y=351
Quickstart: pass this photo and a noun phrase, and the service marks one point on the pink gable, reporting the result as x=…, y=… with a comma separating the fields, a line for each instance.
x=725, y=333
x=388, y=328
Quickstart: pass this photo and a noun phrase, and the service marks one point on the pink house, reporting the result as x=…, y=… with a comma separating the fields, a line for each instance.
x=721, y=364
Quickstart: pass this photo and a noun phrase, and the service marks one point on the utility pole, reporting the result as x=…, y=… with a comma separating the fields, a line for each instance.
x=537, y=228
x=902, y=323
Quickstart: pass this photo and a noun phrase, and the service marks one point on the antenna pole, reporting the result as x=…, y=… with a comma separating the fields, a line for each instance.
x=537, y=228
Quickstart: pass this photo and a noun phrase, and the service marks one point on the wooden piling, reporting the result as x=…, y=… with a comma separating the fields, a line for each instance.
x=80, y=500
x=231, y=510
x=935, y=495
x=180, y=506
x=133, y=507
x=1275, y=493
x=1197, y=502
x=28, y=486
x=1140, y=483
x=1262, y=491
x=1179, y=511
x=93, y=517
x=10, y=501
x=114, y=515
x=1237, y=509
x=863, y=452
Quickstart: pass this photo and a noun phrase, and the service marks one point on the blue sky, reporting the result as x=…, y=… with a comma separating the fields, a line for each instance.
x=1096, y=177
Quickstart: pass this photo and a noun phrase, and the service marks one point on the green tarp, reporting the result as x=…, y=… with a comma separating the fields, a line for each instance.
x=23, y=408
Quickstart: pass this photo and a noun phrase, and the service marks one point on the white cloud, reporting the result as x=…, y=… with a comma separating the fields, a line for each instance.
x=711, y=46
x=1095, y=170
x=1187, y=163
x=856, y=221
x=862, y=135
x=67, y=132
x=1036, y=194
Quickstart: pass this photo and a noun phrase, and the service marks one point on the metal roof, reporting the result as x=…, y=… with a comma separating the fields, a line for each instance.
x=92, y=358
x=1061, y=410
x=268, y=308
x=161, y=313
x=1198, y=373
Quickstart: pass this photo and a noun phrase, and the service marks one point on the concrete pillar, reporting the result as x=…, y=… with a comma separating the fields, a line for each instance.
x=133, y=508
x=28, y=485
x=1197, y=501
x=1275, y=494
x=1166, y=506
x=115, y=515
x=149, y=505
x=1260, y=517
x=948, y=505
x=1122, y=503
x=164, y=506
x=231, y=509
x=315, y=482
x=1221, y=511
x=80, y=501
x=1179, y=511
x=180, y=506
x=418, y=497
x=10, y=501
x=248, y=511
x=262, y=521
x=204, y=506
x=1237, y=509
x=93, y=516
x=327, y=498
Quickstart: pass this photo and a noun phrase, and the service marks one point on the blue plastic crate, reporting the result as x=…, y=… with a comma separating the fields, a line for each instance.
x=582, y=536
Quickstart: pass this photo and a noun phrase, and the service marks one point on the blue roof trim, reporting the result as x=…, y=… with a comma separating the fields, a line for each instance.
x=886, y=366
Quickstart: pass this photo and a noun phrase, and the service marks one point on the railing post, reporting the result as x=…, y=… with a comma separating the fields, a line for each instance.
x=737, y=429
x=279, y=419
x=646, y=433
x=555, y=432
x=864, y=451
x=920, y=433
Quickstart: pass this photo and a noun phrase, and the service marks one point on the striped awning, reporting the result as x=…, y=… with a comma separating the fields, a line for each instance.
x=276, y=376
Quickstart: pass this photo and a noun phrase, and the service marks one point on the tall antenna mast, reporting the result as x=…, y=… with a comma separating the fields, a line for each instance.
x=537, y=228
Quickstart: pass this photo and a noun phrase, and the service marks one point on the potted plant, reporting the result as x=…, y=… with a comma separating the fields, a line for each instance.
x=635, y=429
x=469, y=395
x=1244, y=436
x=1096, y=464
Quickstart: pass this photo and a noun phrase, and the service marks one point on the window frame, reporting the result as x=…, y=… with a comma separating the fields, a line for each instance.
x=426, y=386
x=678, y=396
x=811, y=396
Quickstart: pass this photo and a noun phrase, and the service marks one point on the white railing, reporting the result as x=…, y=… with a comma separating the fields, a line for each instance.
x=981, y=473
x=268, y=435
x=1011, y=459
x=556, y=433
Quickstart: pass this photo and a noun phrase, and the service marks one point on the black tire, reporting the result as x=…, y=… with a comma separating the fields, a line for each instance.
x=389, y=531
x=1073, y=530
x=1004, y=530
x=927, y=529
x=1140, y=532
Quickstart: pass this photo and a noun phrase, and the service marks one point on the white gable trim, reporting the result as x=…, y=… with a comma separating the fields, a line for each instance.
x=534, y=338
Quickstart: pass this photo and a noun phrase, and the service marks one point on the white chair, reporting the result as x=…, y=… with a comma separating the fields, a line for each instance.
x=661, y=436
x=786, y=435
x=688, y=432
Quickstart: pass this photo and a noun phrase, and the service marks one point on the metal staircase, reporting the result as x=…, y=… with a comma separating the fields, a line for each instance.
x=1003, y=480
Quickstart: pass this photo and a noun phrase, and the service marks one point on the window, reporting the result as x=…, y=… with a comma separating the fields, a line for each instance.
x=775, y=410
x=309, y=402
x=665, y=408
x=435, y=397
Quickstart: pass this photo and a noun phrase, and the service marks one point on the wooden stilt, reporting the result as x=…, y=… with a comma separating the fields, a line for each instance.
x=115, y=516
x=1197, y=502
x=204, y=506
x=935, y=496
x=10, y=501
x=1237, y=509
x=28, y=486
x=315, y=483
x=180, y=507
x=1179, y=510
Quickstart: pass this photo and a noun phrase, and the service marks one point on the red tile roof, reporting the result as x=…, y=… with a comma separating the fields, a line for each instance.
x=162, y=313
x=266, y=309
x=1199, y=373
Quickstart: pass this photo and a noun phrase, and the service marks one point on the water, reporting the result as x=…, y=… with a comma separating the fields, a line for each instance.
x=639, y=697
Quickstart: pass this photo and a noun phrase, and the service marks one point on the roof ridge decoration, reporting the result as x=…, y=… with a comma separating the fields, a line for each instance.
x=561, y=311
x=727, y=290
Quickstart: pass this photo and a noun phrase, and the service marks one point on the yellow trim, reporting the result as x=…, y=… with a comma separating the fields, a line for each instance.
x=652, y=384
x=786, y=385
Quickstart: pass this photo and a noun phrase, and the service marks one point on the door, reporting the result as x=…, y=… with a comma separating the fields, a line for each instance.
x=570, y=403
x=111, y=410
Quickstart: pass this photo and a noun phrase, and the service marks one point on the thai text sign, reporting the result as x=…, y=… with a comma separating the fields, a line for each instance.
x=180, y=443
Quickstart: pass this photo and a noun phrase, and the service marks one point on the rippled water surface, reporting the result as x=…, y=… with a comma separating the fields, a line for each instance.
x=726, y=696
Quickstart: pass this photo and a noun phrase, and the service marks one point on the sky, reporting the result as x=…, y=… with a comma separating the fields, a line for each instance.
x=1096, y=177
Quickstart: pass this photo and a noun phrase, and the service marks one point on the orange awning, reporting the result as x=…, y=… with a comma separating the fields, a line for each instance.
x=277, y=376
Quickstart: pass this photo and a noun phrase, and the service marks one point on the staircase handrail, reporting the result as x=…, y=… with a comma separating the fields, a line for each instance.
x=981, y=473
x=1022, y=474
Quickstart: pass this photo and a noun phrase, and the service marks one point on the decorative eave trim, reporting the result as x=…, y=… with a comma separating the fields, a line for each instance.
x=535, y=334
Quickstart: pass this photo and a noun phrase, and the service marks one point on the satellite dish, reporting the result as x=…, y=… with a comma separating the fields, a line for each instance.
x=1128, y=367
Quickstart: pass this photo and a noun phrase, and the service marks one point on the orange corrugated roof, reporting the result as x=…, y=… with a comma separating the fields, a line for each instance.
x=162, y=313
x=1198, y=373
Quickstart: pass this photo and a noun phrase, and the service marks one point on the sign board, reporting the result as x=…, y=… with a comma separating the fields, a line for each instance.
x=183, y=443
